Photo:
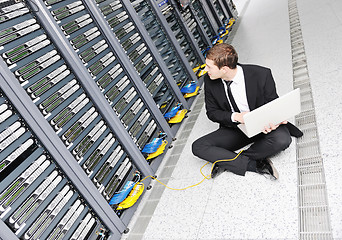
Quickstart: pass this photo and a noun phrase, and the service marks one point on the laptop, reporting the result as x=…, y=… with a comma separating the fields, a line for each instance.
x=276, y=111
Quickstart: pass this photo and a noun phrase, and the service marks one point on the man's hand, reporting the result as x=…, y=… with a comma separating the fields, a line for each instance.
x=238, y=117
x=271, y=127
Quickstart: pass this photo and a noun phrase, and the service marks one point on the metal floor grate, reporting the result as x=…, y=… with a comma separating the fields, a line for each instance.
x=314, y=215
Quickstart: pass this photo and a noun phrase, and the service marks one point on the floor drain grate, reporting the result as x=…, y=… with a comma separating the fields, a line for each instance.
x=314, y=215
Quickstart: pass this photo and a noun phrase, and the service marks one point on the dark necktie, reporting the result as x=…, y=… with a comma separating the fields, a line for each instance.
x=230, y=95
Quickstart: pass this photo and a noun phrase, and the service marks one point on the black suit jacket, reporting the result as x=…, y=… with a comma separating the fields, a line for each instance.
x=260, y=89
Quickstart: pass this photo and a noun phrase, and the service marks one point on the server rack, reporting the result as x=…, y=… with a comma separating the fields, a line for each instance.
x=162, y=90
x=162, y=37
x=196, y=28
x=87, y=91
x=77, y=120
x=222, y=11
x=171, y=11
x=108, y=60
x=212, y=13
x=230, y=8
x=223, y=14
x=166, y=43
x=209, y=13
x=205, y=18
x=217, y=10
x=39, y=193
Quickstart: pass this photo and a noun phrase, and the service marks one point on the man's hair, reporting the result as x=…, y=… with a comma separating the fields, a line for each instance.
x=223, y=55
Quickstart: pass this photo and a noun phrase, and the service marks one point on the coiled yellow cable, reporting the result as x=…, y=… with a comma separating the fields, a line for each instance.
x=205, y=177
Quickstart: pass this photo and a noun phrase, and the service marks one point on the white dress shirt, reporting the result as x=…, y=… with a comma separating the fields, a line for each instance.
x=238, y=89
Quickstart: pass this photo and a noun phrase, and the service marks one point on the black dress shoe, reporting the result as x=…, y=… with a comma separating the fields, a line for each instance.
x=216, y=171
x=266, y=166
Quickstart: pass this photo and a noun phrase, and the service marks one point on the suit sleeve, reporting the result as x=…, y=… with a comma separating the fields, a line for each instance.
x=213, y=109
x=270, y=92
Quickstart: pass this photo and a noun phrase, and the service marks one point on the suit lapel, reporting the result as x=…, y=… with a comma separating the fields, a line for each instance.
x=222, y=94
x=251, y=86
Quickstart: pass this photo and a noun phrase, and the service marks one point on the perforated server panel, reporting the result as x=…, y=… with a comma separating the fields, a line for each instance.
x=181, y=31
x=153, y=24
x=202, y=14
x=218, y=8
x=55, y=91
x=195, y=27
x=37, y=200
x=230, y=8
x=84, y=87
x=105, y=67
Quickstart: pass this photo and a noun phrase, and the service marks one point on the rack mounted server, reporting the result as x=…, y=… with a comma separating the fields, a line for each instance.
x=84, y=86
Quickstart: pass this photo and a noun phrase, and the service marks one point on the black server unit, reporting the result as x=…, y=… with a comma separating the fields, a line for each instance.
x=222, y=14
x=161, y=35
x=205, y=18
x=220, y=10
x=142, y=53
x=191, y=49
x=217, y=11
x=113, y=76
x=230, y=8
x=38, y=199
x=174, y=43
x=195, y=26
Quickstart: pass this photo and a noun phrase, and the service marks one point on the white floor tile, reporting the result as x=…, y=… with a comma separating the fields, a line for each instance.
x=179, y=213
x=251, y=207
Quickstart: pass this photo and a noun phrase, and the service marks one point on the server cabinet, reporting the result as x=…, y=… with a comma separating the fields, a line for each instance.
x=164, y=89
x=79, y=122
x=101, y=53
x=203, y=14
x=138, y=45
x=38, y=199
x=217, y=10
x=54, y=83
x=196, y=28
x=188, y=44
x=230, y=8
x=223, y=13
x=212, y=13
x=164, y=40
x=84, y=87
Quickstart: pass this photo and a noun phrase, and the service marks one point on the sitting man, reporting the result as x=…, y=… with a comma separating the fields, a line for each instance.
x=232, y=90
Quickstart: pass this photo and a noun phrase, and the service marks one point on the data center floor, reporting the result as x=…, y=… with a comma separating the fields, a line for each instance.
x=254, y=207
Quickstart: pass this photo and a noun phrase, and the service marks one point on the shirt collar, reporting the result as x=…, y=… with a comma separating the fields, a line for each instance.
x=238, y=78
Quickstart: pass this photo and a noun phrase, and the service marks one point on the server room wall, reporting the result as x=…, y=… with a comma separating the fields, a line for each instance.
x=84, y=86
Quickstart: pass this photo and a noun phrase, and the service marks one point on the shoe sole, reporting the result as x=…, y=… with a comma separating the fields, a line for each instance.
x=216, y=174
x=275, y=172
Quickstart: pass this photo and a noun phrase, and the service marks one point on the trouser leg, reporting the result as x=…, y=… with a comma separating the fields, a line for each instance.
x=266, y=145
x=220, y=145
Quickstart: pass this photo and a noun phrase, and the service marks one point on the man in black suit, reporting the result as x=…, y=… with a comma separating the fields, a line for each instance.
x=232, y=90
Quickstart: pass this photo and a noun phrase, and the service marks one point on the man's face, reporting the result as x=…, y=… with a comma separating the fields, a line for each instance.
x=213, y=71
